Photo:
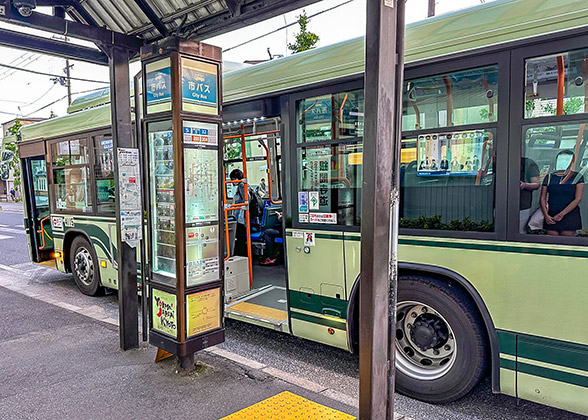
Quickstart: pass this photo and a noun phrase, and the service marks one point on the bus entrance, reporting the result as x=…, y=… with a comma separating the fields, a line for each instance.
x=255, y=278
x=37, y=221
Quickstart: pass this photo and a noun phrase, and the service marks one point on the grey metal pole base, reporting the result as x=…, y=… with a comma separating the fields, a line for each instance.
x=186, y=363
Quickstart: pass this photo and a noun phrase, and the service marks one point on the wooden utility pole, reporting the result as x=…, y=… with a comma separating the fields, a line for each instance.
x=384, y=63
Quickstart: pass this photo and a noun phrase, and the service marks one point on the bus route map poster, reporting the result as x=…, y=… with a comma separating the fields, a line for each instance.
x=461, y=153
x=203, y=311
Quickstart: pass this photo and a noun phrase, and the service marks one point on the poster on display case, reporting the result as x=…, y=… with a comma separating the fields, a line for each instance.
x=460, y=153
x=202, y=251
x=201, y=185
x=203, y=311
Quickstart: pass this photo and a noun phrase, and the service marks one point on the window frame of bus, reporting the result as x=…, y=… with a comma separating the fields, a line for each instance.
x=500, y=125
x=519, y=124
x=95, y=138
x=91, y=192
x=292, y=149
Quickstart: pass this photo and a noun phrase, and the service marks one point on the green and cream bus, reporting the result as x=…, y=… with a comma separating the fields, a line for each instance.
x=495, y=103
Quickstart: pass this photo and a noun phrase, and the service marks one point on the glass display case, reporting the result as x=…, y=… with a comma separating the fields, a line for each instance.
x=162, y=201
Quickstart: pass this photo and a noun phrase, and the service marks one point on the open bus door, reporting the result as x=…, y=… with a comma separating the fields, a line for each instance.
x=37, y=211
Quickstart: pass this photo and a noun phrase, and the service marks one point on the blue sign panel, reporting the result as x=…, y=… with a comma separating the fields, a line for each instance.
x=199, y=87
x=159, y=86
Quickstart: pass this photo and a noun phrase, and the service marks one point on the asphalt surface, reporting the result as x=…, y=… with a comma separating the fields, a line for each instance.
x=57, y=364
x=321, y=364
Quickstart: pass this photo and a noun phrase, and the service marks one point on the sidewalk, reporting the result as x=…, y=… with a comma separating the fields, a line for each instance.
x=11, y=207
x=60, y=364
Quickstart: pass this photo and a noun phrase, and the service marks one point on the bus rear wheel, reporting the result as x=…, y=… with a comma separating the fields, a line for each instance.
x=84, y=266
x=440, y=341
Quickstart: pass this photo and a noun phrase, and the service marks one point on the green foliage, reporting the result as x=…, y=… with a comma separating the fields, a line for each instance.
x=14, y=164
x=435, y=223
x=484, y=114
x=305, y=40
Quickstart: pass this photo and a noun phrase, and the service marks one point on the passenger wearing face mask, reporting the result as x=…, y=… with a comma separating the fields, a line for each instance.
x=561, y=195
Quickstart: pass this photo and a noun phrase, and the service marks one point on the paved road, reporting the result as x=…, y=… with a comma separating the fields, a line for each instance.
x=324, y=365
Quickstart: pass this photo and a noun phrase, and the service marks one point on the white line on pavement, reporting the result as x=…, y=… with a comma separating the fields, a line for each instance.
x=5, y=237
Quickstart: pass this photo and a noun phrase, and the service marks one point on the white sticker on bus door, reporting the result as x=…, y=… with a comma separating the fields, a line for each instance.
x=309, y=239
x=298, y=235
x=324, y=218
x=313, y=200
x=303, y=218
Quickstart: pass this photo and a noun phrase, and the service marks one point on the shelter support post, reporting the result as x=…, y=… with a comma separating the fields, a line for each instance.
x=379, y=224
x=120, y=94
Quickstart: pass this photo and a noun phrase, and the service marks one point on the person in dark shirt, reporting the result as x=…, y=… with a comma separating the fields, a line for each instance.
x=529, y=182
x=561, y=195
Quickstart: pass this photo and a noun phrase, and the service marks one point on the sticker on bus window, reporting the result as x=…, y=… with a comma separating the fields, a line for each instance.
x=309, y=239
x=313, y=200
x=324, y=218
x=303, y=218
x=302, y=202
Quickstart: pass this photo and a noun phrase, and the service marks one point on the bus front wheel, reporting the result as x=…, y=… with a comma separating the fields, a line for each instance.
x=84, y=266
x=440, y=340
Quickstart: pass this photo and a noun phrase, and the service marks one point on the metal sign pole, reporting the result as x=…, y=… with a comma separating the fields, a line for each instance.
x=379, y=224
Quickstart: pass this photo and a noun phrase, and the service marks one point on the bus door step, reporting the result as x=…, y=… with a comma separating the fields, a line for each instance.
x=267, y=308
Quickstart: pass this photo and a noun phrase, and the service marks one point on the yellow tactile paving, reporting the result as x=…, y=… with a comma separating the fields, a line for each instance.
x=264, y=312
x=288, y=406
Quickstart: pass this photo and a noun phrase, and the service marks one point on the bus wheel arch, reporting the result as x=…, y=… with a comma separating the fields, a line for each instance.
x=446, y=278
x=76, y=240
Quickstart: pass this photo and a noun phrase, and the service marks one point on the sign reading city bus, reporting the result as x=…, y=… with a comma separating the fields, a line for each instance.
x=199, y=87
x=158, y=84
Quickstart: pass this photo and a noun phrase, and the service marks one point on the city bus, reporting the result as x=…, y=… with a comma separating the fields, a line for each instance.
x=493, y=228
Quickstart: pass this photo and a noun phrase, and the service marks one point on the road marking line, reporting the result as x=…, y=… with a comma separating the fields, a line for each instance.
x=5, y=237
x=8, y=268
x=10, y=230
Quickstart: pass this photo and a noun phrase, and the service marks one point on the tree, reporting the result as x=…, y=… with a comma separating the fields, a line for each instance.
x=14, y=163
x=305, y=40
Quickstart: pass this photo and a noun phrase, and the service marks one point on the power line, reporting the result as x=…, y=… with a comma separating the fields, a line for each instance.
x=61, y=99
x=52, y=75
x=49, y=104
x=286, y=26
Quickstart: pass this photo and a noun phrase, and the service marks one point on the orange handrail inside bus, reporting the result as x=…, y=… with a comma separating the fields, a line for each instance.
x=561, y=87
x=44, y=232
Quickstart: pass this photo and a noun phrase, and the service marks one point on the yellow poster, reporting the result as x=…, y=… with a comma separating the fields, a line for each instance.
x=203, y=311
x=164, y=308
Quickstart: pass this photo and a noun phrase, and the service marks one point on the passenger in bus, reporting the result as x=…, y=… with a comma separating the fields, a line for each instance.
x=261, y=189
x=561, y=195
x=238, y=198
x=529, y=182
x=273, y=252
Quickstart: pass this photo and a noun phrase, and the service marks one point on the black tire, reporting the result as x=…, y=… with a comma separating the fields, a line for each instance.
x=84, y=266
x=463, y=344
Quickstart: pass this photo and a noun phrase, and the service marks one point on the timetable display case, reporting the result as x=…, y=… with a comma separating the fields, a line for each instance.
x=162, y=201
x=181, y=134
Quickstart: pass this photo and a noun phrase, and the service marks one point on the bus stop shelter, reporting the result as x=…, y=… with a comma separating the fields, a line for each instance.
x=119, y=28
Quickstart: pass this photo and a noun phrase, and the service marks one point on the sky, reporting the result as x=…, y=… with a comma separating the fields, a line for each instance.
x=30, y=95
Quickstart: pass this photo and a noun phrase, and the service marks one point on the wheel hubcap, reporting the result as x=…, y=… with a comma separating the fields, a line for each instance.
x=84, y=266
x=425, y=343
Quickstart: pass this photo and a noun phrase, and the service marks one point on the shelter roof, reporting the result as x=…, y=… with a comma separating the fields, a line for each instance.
x=149, y=19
